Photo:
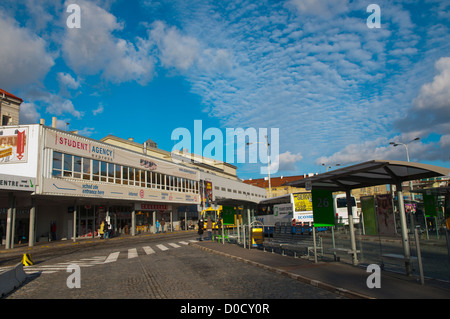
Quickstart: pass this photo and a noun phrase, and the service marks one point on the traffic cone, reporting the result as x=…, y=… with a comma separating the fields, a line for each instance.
x=26, y=260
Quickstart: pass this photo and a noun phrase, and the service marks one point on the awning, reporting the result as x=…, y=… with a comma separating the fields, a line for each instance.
x=371, y=173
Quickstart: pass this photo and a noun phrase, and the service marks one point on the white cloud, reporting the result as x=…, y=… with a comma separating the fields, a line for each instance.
x=24, y=57
x=28, y=113
x=430, y=110
x=94, y=48
x=98, y=110
x=68, y=81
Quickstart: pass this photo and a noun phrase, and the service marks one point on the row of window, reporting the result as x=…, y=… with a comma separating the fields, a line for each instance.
x=66, y=165
x=223, y=189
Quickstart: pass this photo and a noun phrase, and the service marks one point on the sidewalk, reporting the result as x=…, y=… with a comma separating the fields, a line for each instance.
x=341, y=278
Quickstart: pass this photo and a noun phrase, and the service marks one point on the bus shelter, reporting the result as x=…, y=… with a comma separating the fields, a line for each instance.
x=373, y=173
x=244, y=213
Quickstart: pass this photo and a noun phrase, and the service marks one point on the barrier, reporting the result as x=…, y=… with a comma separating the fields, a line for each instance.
x=26, y=260
x=11, y=279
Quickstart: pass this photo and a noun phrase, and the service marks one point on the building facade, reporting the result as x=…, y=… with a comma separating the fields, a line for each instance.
x=60, y=185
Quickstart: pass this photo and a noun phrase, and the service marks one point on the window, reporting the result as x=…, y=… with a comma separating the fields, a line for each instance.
x=86, y=169
x=131, y=176
x=68, y=165
x=95, y=170
x=149, y=179
x=110, y=172
x=103, y=173
x=57, y=164
x=125, y=175
x=77, y=167
x=142, y=173
x=118, y=174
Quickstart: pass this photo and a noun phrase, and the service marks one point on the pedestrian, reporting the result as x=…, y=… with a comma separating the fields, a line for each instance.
x=157, y=226
x=163, y=223
x=200, y=229
x=209, y=226
x=53, y=230
x=102, y=229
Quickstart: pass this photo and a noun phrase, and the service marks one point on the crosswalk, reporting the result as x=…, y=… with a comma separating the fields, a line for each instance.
x=99, y=260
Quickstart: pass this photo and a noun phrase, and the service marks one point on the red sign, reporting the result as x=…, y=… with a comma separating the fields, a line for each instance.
x=154, y=207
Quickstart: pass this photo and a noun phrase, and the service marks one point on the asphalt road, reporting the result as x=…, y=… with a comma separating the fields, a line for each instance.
x=153, y=267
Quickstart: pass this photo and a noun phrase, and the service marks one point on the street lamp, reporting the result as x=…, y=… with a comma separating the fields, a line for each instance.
x=323, y=164
x=268, y=163
x=407, y=157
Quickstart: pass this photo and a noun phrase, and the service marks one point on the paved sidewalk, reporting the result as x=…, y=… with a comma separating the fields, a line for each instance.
x=341, y=278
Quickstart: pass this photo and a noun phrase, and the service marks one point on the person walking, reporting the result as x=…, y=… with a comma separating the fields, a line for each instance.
x=163, y=223
x=157, y=226
x=209, y=226
x=200, y=229
x=102, y=229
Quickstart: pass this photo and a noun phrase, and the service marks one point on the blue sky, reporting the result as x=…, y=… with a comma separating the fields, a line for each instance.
x=337, y=90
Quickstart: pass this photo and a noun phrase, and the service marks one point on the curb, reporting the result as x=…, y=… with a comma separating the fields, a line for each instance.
x=316, y=283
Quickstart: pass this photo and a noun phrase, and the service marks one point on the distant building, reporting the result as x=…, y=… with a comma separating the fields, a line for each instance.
x=277, y=184
x=9, y=108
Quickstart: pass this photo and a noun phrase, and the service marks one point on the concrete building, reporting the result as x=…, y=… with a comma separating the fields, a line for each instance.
x=9, y=108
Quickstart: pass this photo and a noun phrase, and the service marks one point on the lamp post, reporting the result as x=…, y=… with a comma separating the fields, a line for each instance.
x=407, y=157
x=328, y=167
x=268, y=163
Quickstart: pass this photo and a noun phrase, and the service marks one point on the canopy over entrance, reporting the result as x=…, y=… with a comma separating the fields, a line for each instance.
x=371, y=173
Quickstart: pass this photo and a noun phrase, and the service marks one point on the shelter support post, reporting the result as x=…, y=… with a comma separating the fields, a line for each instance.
x=133, y=223
x=31, y=233
x=74, y=234
x=8, y=220
x=348, y=195
x=405, y=239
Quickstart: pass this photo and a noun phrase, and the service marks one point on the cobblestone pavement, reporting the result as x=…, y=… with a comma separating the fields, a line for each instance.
x=142, y=269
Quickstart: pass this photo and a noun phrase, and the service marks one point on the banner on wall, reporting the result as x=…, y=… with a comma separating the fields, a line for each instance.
x=14, y=145
x=369, y=217
x=323, y=211
x=429, y=203
x=385, y=215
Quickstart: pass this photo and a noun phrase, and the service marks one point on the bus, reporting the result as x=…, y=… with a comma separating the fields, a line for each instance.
x=340, y=209
x=226, y=213
x=291, y=208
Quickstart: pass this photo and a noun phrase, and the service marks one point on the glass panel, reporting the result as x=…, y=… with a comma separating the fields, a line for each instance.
x=57, y=163
x=86, y=168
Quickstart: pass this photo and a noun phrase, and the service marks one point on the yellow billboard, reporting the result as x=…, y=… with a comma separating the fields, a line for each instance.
x=302, y=202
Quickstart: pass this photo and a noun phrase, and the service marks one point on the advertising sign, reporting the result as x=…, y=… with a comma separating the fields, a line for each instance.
x=323, y=211
x=14, y=145
x=283, y=212
x=302, y=202
x=68, y=187
x=385, y=215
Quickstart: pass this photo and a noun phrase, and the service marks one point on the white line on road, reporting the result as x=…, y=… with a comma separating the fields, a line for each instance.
x=162, y=247
x=132, y=253
x=174, y=245
x=112, y=257
x=148, y=250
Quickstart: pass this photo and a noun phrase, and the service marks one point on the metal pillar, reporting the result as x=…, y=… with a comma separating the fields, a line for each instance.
x=31, y=232
x=74, y=235
x=348, y=195
x=133, y=223
x=405, y=239
x=8, y=221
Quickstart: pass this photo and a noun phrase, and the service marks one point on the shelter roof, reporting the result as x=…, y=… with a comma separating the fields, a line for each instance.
x=371, y=173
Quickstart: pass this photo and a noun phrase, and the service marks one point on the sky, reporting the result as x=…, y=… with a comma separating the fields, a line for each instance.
x=336, y=89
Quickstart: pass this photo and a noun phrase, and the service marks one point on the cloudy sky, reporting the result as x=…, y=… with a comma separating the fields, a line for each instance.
x=337, y=90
